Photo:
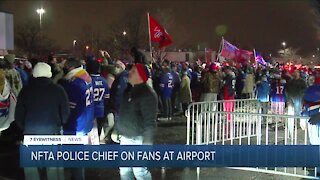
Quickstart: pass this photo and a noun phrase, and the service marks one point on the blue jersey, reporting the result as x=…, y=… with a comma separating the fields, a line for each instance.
x=277, y=93
x=166, y=85
x=80, y=93
x=100, y=94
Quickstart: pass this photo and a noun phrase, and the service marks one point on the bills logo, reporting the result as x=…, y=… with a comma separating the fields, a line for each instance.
x=157, y=33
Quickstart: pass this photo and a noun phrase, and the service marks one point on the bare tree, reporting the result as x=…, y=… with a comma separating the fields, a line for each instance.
x=31, y=41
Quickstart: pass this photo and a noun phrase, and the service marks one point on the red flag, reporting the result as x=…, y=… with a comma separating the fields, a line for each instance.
x=158, y=33
x=243, y=56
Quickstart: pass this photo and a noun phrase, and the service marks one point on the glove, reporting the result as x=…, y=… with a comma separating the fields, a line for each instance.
x=315, y=119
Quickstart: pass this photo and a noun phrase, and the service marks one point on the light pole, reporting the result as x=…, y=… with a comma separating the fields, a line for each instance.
x=40, y=12
x=284, y=47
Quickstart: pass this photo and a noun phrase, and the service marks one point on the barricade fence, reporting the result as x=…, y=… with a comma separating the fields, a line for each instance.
x=213, y=123
x=194, y=110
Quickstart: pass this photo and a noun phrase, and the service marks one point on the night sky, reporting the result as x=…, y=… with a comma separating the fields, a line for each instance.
x=250, y=23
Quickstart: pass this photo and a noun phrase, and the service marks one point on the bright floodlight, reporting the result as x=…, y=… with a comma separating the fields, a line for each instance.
x=313, y=56
x=124, y=33
x=283, y=44
x=40, y=11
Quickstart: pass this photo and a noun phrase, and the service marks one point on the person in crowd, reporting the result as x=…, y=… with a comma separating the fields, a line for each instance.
x=108, y=72
x=138, y=56
x=78, y=85
x=277, y=94
x=185, y=91
x=263, y=91
x=106, y=58
x=240, y=79
x=311, y=108
x=249, y=83
x=118, y=87
x=166, y=88
x=137, y=120
x=228, y=90
x=101, y=95
x=176, y=107
x=7, y=104
x=295, y=89
x=286, y=75
x=42, y=108
x=311, y=80
x=57, y=72
x=23, y=73
x=195, y=83
x=211, y=84
x=12, y=75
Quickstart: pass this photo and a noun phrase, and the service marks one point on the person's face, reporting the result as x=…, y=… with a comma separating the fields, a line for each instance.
x=296, y=74
x=134, y=77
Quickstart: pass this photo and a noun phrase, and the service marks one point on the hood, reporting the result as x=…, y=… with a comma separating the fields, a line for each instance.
x=6, y=91
x=79, y=73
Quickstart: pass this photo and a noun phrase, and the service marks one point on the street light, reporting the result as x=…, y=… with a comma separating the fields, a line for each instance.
x=284, y=47
x=87, y=47
x=124, y=33
x=74, y=43
x=284, y=44
x=40, y=12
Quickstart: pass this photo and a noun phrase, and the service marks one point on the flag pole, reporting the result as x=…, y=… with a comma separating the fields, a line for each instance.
x=254, y=55
x=148, y=16
x=221, y=44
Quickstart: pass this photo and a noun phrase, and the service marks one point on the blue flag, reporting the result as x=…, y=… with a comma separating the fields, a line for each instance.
x=259, y=59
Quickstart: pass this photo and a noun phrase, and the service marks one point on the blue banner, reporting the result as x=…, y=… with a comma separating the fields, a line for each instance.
x=170, y=156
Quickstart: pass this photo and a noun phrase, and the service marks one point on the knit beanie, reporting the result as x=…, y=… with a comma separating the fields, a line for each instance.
x=121, y=64
x=93, y=67
x=143, y=71
x=10, y=58
x=42, y=70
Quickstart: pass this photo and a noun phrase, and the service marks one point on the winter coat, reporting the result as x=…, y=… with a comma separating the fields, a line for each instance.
x=7, y=107
x=210, y=83
x=119, y=85
x=263, y=91
x=295, y=89
x=185, y=90
x=138, y=112
x=248, y=84
x=14, y=79
x=24, y=76
x=42, y=107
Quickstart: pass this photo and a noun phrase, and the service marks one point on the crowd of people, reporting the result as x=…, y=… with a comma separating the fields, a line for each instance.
x=97, y=97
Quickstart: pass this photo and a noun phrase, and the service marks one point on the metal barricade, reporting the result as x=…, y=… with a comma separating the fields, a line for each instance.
x=194, y=110
x=249, y=128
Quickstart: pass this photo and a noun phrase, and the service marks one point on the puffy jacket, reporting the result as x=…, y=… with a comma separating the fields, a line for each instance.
x=138, y=112
x=42, y=107
x=210, y=83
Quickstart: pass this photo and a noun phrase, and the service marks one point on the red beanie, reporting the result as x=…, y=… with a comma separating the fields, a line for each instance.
x=142, y=71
